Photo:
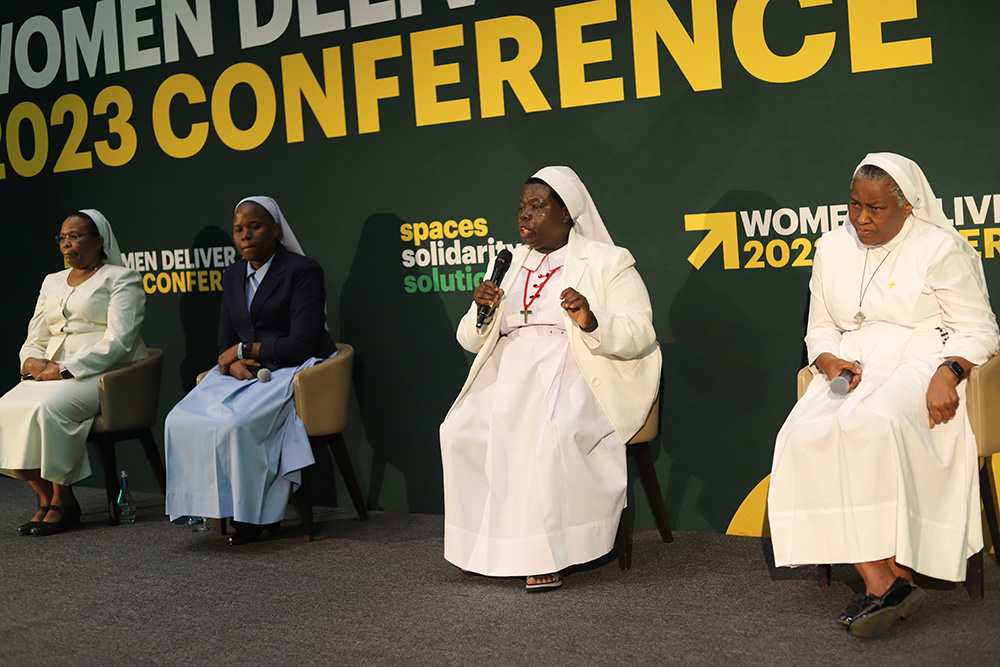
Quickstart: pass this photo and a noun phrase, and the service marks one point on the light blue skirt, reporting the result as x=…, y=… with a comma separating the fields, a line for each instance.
x=236, y=448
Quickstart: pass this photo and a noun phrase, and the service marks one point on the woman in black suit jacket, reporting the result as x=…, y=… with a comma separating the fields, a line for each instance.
x=234, y=445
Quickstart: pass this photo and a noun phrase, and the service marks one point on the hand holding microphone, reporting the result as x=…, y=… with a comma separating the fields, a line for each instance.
x=843, y=375
x=841, y=384
x=248, y=369
x=493, y=293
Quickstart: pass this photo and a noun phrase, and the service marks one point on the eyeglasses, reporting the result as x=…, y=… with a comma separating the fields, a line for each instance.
x=72, y=237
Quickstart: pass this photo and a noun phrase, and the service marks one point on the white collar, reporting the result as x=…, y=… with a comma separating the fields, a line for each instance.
x=262, y=271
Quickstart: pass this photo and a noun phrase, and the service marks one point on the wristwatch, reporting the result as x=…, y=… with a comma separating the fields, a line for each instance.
x=955, y=368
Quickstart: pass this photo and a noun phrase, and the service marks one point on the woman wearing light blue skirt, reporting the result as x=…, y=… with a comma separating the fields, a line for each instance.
x=234, y=445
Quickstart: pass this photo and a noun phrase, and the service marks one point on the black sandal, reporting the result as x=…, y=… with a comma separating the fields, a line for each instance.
x=25, y=528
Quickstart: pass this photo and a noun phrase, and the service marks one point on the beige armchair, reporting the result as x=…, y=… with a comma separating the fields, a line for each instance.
x=322, y=396
x=983, y=390
x=129, y=398
x=638, y=446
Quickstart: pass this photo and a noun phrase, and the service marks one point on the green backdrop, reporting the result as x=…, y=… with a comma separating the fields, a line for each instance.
x=371, y=121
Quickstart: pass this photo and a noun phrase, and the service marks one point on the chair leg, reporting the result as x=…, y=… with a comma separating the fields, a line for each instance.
x=974, y=575
x=220, y=526
x=106, y=455
x=303, y=503
x=623, y=542
x=652, y=488
x=340, y=455
x=153, y=455
x=988, y=492
x=823, y=574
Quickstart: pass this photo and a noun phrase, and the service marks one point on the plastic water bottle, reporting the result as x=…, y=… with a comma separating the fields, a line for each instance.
x=126, y=508
x=198, y=524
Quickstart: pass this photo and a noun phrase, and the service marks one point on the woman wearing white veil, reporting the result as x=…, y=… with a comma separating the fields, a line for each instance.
x=86, y=322
x=234, y=445
x=885, y=477
x=567, y=369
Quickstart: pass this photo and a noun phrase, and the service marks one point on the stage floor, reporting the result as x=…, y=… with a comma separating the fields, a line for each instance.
x=379, y=592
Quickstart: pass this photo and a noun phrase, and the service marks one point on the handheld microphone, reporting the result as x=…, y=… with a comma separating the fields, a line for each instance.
x=261, y=373
x=500, y=267
x=840, y=384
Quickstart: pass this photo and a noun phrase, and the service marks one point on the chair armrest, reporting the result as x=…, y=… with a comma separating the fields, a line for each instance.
x=805, y=376
x=983, y=391
x=129, y=396
x=650, y=428
x=322, y=393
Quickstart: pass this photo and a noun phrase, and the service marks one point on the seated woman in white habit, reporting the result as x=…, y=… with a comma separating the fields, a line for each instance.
x=885, y=476
x=86, y=322
x=567, y=369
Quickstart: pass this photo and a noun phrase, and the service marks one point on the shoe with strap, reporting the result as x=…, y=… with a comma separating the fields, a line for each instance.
x=70, y=519
x=25, y=528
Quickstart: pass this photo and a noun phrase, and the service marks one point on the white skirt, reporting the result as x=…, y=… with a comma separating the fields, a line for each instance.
x=863, y=477
x=236, y=448
x=44, y=425
x=534, y=473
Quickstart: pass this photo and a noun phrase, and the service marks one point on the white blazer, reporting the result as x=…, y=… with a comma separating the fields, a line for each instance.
x=622, y=366
x=90, y=328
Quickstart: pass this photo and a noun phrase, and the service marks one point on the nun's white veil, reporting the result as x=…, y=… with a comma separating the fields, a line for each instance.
x=917, y=190
x=104, y=230
x=586, y=220
x=287, y=237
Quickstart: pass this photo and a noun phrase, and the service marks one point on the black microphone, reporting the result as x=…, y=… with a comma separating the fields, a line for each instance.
x=261, y=373
x=500, y=267
x=840, y=384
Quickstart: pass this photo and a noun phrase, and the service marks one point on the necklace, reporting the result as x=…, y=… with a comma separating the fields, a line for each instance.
x=92, y=268
x=69, y=290
x=859, y=317
x=547, y=276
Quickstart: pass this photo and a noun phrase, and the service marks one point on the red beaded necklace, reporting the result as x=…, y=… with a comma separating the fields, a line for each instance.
x=527, y=279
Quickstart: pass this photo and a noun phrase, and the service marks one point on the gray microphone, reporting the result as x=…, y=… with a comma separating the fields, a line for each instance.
x=261, y=373
x=840, y=384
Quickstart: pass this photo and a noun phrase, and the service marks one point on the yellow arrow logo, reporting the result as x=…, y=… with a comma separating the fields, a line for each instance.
x=721, y=228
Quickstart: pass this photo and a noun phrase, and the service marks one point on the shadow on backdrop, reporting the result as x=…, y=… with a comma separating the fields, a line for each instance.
x=199, y=313
x=392, y=330
x=724, y=378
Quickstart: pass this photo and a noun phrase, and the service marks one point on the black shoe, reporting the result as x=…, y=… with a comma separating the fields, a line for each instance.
x=25, y=528
x=854, y=608
x=901, y=600
x=70, y=519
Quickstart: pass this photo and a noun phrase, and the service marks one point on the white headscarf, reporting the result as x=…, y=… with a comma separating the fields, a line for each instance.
x=111, y=248
x=917, y=190
x=586, y=220
x=911, y=180
x=287, y=237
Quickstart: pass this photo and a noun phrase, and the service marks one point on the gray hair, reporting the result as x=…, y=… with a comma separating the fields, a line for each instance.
x=869, y=172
